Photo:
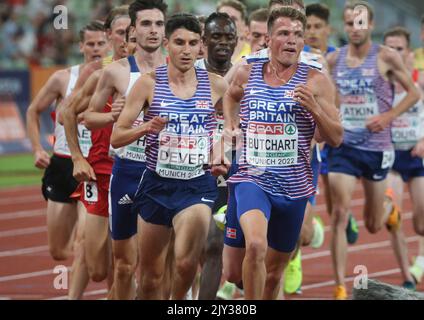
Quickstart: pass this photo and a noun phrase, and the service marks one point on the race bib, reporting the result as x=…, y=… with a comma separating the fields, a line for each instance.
x=406, y=132
x=356, y=110
x=217, y=134
x=135, y=151
x=90, y=191
x=84, y=140
x=272, y=144
x=182, y=156
x=388, y=159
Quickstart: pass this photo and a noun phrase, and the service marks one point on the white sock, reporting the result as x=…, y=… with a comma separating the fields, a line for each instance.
x=420, y=261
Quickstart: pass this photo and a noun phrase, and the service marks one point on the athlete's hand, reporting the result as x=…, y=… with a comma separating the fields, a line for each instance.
x=83, y=171
x=42, y=159
x=418, y=150
x=117, y=107
x=80, y=118
x=379, y=122
x=304, y=95
x=155, y=125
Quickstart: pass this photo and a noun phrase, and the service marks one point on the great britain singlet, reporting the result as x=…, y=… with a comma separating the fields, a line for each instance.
x=61, y=147
x=363, y=93
x=182, y=149
x=277, y=135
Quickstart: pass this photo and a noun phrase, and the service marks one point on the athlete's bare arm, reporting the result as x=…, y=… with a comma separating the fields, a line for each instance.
x=392, y=66
x=53, y=90
x=219, y=86
x=94, y=117
x=229, y=76
x=78, y=104
x=140, y=97
x=319, y=100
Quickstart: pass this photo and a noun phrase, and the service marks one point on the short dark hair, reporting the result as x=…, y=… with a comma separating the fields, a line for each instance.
x=286, y=12
x=217, y=16
x=287, y=3
x=398, y=32
x=117, y=12
x=92, y=26
x=235, y=4
x=351, y=5
x=260, y=15
x=182, y=20
x=140, y=5
x=319, y=10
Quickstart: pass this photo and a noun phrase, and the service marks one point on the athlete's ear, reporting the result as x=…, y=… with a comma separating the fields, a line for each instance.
x=81, y=47
x=109, y=34
x=267, y=40
x=165, y=43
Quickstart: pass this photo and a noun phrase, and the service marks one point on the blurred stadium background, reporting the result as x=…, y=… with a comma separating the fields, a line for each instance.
x=31, y=49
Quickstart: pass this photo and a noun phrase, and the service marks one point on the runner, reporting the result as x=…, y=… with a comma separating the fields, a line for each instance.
x=116, y=81
x=220, y=39
x=268, y=195
x=176, y=193
x=408, y=138
x=94, y=193
x=257, y=29
x=361, y=71
x=238, y=12
x=65, y=218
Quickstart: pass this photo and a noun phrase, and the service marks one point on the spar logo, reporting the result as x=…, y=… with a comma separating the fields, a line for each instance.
x=202, y=143
x=290, y=129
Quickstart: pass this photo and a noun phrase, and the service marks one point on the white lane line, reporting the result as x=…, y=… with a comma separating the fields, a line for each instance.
x=21, y=199
x=26, y=275
x=18, y=252
x=22, y=231
x=22, y=214
x=86, y=294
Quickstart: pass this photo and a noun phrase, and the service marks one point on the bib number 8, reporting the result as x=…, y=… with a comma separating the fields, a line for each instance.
x=388, y=159
x=90, y=191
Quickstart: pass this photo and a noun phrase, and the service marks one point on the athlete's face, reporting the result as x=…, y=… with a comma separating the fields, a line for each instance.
x=237, y=18
x=116, y=36
x=150, y=29
x=94, y=46
x=357, y=36
x=317, y=32
x=286, y=40
x=132, y=41
x=220, y=39
x=400, y=44
x=257, y=35
x=183, y=48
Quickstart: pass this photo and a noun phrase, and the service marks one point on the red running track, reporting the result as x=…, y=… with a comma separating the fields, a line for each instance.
x=27, y=270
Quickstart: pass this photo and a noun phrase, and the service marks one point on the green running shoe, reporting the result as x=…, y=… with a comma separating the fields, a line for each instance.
x=352, y=230
x=318, y=238
x=416, y=272
x=226, y=291
x=293, y=275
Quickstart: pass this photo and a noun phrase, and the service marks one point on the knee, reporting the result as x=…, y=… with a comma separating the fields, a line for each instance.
x=339, y=216
x=256, y=249
x=58, y=254
x=419, y=225
x=124, y=270
x=372, y=227
x=185, y=266
x=151, y=280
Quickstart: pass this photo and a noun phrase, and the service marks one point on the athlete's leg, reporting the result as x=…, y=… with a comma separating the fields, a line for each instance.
x=399, y=244
x=307, y=231
x=79, y=273
x=341, y=188
x=153, y=249
x=61, y=221
x=376, y=207
x=416, y=190
x=96, y=244
x=212, y=268
x=255, y=226
x=276, y=262
x=191, y=228
x=125, y=264
x=327, y=194
x=169, y=269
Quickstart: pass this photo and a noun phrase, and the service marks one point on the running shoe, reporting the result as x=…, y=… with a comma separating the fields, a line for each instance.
x=340, y=293
x=394, y=220
x=293, y=275
x=416, y=272
x=318, y=238
x=226, y=291
x=220, y=217
x=409, y=285
x=352, y=230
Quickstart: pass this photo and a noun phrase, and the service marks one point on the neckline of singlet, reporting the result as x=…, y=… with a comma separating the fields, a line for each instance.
x=369, y=59
x=202, y=78
x=297, y=75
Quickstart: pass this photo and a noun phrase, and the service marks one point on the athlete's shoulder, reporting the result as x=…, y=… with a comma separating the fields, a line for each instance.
x=261, y=55
x=332, y=57
x=313, y=60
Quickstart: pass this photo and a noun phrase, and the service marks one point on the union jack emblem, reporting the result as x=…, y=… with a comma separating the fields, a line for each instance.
x=202, y=104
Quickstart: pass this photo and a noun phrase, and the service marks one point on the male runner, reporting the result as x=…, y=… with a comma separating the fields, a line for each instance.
x=58, y=183
x=95, y=190
x=219, y=39
x=176, y=192
x=408, y=138
x=257, y=29
x=116, y=81
x=281, y=103
x=363, y=73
